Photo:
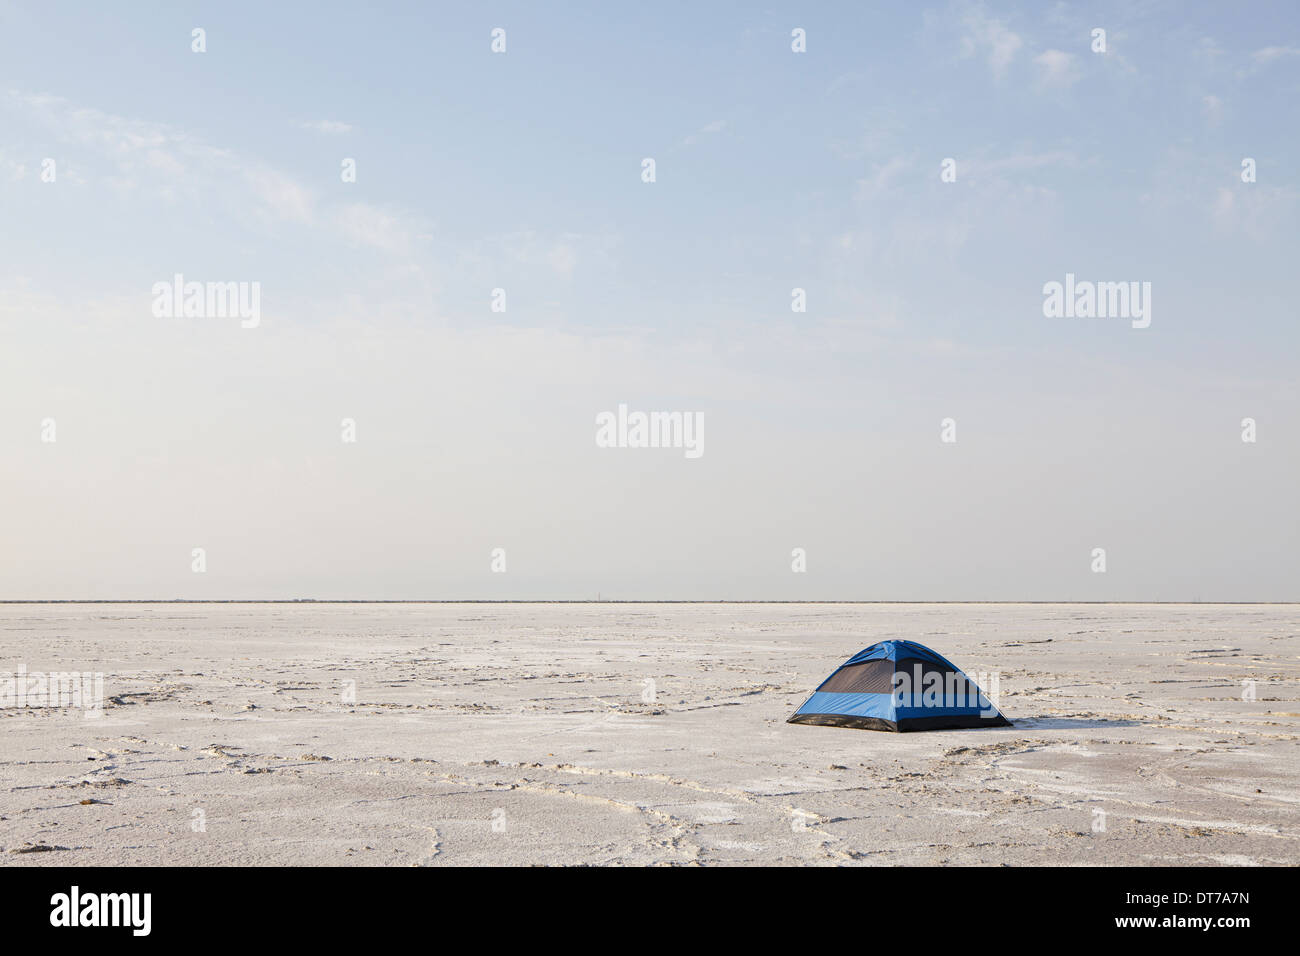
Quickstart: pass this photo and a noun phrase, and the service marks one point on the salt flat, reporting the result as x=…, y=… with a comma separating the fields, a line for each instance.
x=645, y=734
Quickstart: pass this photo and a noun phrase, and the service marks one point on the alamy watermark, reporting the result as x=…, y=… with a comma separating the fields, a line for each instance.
x=208, y=300
x=23, y=688
x=75, y=908
x=624, y=429
x=931, y=688
x=1098, y=300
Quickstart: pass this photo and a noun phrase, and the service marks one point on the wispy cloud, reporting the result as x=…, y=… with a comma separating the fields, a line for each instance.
x=142, y=155
x=1213, y=108
x=1258, y=211
x=990, y=38
x=281, y=196
x=365, y=224
x=881, y=180
x=1019, y=162
x=1057, y=68
x=556, y=254
x=717, y=126
x=1269, y=54
x=330, y=127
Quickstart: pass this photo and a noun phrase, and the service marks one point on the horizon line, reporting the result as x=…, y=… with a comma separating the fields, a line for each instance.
x=583, y=601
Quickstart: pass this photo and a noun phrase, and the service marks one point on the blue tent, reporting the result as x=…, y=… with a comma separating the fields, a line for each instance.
x=898, y=686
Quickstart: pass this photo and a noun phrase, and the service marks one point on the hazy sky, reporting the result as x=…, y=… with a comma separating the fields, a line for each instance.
x=775, y=170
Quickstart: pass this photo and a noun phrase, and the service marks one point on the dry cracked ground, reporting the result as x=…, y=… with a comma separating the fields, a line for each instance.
x=436, y=734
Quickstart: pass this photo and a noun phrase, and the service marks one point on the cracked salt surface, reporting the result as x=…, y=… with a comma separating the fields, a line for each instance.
x=520, y=734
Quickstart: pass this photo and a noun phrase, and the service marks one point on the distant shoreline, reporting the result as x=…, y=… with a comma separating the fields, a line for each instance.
x=588, y=601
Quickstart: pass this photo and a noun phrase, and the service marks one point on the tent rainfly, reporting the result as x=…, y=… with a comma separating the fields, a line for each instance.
x=898, y=686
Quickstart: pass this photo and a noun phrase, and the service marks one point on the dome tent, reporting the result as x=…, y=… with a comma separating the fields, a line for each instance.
x=898, y=686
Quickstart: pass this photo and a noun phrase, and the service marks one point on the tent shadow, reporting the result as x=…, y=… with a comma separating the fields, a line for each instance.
x=1071, y=723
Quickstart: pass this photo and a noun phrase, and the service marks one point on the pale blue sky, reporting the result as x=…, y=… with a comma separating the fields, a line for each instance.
x=774, y=170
